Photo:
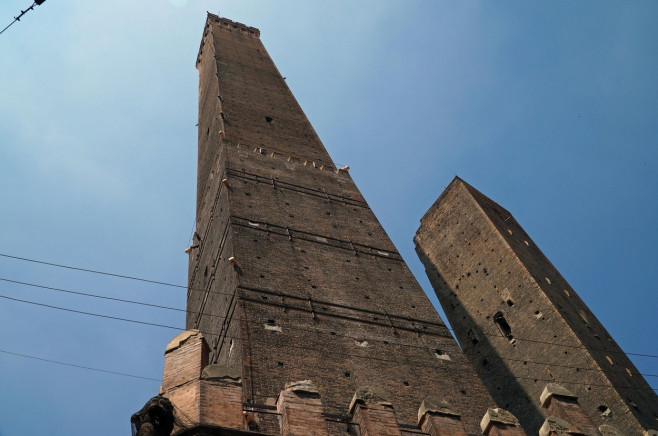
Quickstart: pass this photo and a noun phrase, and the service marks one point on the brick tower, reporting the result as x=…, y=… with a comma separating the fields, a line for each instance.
x=519, y=321
x=293, y=282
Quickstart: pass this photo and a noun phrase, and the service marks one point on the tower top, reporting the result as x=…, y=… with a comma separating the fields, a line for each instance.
x=227, y=24
x=479, y=197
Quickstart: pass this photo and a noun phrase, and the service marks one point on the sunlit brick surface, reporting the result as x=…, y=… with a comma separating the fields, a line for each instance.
x=291, y=275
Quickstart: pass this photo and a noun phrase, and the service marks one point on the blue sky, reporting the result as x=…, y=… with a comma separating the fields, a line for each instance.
x=548, y=108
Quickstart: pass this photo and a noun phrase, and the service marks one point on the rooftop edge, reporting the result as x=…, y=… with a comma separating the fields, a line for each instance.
x=228, y=24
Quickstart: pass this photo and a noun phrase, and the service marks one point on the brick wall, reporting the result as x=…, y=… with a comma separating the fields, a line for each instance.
x=519, y=321
x=294, y=277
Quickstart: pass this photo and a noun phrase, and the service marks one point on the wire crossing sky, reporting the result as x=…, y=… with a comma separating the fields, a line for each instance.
x=492, y=333
x=547, y=108
x=18, y=18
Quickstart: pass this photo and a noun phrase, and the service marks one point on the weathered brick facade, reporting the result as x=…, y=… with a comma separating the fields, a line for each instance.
x=291, y=275
x=519, y=321
x=303, y=319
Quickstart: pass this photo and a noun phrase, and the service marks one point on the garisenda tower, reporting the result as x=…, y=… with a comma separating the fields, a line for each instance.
x=303, y=318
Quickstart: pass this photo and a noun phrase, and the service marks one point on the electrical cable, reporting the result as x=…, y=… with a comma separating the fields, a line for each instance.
x=65, y=309
x=288, y=345
x=171, y=327
x=85, y=294
x=495, y=334
x=103, y=297
x=227, y=294
x=37, y=2
x=78, y=366
x=121, y=276
x=298, y=328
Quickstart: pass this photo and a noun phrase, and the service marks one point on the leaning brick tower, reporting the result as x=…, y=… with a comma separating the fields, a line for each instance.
x=293, y=283
x=519, y=321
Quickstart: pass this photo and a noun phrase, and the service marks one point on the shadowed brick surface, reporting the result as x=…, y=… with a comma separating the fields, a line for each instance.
x=519, y=321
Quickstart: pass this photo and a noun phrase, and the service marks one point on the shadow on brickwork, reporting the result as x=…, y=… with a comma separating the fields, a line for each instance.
x=492, y=369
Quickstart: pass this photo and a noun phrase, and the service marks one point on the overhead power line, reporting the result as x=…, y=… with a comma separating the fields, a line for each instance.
x=122, y=374
x=36, y=3
x=74, y=268
x=298, y=328
x=369, y=357
x=122, y=276
x=98, y=315
x=291, y=327
x=158, y=282
x=87, y=294
x=41, y=359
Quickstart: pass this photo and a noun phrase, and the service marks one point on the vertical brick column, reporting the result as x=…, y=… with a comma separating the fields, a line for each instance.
x=374, y=415
x=185, y=357
x=499, y=422
x=220, y=397
x=561, y=403
x=437, y=418
x=200, y=393
x=301, y=410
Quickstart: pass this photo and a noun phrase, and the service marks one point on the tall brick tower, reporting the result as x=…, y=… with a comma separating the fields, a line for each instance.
x=292, y=280
x=519, y=321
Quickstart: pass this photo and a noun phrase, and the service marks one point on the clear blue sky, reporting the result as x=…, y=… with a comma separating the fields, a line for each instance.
x=549, y=108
